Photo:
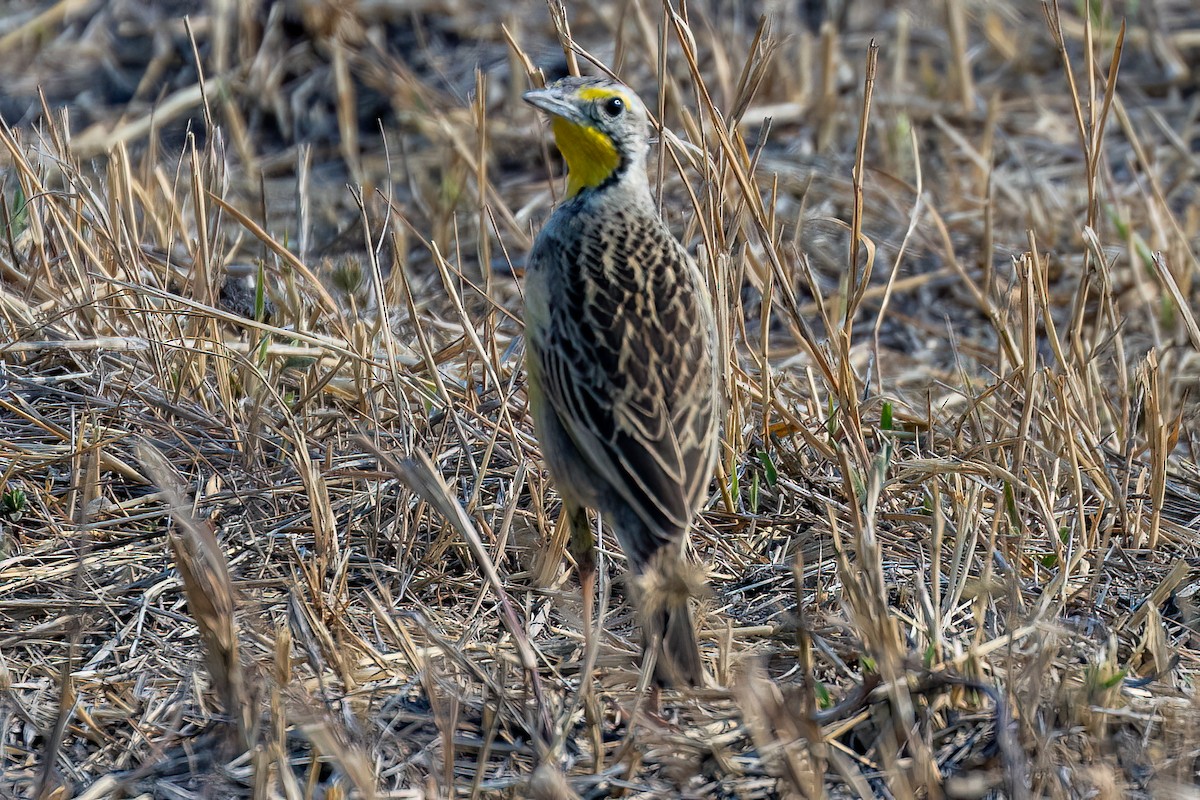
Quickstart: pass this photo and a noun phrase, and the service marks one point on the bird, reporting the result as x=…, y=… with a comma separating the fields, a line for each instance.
x=621, y=357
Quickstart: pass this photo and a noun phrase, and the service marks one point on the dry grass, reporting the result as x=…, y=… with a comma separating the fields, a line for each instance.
x=297, y=542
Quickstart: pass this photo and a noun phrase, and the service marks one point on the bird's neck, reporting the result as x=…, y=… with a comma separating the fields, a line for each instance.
x=592, y=159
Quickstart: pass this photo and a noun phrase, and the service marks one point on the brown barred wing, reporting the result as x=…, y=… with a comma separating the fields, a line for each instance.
x=626, y=360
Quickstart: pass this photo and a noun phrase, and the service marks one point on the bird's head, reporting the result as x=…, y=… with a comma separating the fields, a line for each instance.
x=600, y=126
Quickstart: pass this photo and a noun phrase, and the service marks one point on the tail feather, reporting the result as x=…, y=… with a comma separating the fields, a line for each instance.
x=679, y=662
x=666, y=592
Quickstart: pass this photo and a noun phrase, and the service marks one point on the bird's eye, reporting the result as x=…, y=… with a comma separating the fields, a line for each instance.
x=614, y=106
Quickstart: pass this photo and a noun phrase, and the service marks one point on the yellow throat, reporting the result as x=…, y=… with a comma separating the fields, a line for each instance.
x=591, y=156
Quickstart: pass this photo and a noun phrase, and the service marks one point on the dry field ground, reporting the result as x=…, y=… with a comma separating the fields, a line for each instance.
x=272, y=517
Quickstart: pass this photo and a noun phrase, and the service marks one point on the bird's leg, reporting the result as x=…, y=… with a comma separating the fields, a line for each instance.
x=583, y=550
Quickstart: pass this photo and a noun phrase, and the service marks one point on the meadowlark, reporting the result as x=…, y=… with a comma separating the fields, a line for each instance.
x=622, y=363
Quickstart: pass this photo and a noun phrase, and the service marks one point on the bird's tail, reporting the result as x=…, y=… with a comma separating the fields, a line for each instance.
x=666, y=588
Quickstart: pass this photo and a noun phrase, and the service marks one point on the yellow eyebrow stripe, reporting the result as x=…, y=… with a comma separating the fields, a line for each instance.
x=599, y=93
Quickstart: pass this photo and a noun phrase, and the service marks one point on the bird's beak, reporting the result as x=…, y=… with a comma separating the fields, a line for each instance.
x=551, y=102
